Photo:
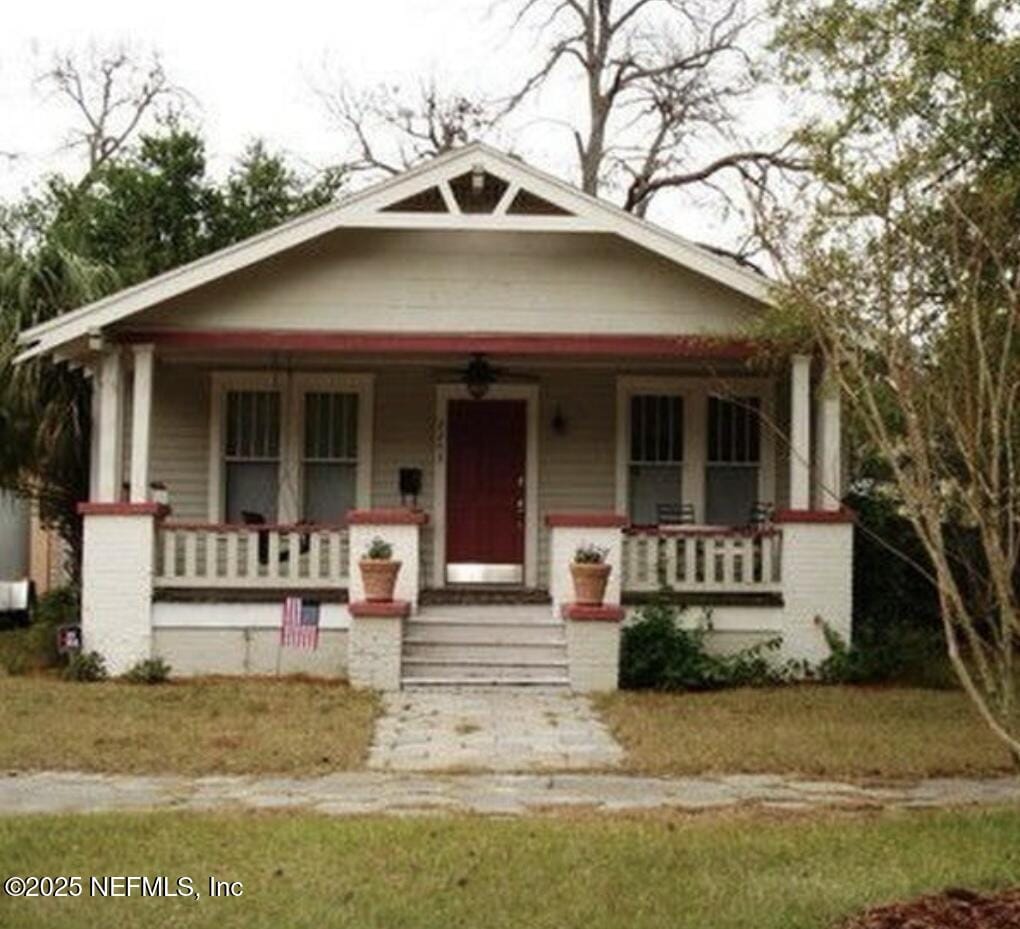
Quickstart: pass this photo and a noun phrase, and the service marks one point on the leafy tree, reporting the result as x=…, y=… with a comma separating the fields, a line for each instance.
x=903, y=269
x=146, y=209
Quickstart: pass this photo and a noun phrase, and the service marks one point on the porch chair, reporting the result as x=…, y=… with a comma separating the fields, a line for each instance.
x=674, y=514
x=252, y=518
x=762, y=514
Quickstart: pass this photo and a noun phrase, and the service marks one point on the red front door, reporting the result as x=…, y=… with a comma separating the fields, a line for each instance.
x=487, y=448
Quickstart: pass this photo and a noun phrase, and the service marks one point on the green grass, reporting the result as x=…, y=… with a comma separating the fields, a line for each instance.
x=714, y=872
x=838, y=732
x=211, y=726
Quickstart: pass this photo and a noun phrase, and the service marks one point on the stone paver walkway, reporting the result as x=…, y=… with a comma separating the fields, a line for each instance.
x=502, y=794
x=490, y=729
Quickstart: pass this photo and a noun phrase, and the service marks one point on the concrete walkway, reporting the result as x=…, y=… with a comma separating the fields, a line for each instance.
x=501, y=794
x=490, y=729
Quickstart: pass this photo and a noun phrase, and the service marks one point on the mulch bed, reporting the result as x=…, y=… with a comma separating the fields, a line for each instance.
x=952, y=909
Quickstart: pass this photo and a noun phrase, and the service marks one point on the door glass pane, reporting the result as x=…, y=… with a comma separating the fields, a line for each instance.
x=732, y=492
x=329, y=492
x=252, y=487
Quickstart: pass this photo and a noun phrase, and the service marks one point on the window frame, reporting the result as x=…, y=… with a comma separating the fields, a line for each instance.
x=695, y=391
x=674, y=465
x=737, y=396
x=292, y=387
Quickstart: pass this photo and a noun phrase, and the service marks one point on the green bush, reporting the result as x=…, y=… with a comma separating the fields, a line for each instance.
x=148, y=671
x=57, y=607
x=897, y=654
x=656, y=652
x=86, y=667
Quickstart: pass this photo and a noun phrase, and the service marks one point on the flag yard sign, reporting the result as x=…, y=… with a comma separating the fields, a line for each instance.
x=300, y=627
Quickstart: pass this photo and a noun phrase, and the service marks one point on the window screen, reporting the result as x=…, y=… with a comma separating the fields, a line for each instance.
x=330, y=456
x=252, y=454
x=656, y=456
x=734, y=460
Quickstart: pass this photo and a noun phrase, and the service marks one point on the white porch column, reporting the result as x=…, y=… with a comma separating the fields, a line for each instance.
x=800, y=432
x=829, y=470
x=141, y=417
x=108, y=427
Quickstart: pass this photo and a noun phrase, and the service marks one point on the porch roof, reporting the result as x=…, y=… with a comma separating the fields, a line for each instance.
x=426, y=343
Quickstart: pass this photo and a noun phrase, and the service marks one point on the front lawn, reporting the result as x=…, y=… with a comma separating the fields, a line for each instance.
x=211, y=726
x=833, y=732
x=728, y=872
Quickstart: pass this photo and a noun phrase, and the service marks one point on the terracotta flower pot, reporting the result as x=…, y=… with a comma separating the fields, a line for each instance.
x=590, y=582
x=379, y=577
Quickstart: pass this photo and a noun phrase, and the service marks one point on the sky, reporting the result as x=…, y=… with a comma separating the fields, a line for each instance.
x=253, y=72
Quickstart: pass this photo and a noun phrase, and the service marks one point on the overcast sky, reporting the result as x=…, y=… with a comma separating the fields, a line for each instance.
x=255, y=75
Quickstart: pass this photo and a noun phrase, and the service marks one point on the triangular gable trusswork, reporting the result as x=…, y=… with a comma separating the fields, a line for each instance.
x=428, y=201
x=471, y=188
x=477, y=192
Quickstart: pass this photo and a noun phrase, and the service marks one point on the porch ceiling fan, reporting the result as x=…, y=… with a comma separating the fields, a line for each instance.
x=478, y=375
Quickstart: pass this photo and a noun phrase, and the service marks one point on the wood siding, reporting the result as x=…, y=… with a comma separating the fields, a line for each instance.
x=443, y=282
x=576, y=464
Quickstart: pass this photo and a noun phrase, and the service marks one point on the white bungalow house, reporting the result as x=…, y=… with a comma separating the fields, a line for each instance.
x=486, y=367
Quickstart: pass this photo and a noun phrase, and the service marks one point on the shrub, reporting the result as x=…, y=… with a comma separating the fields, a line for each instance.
x=57, y=607
x=896, y=654
x=656, y=652
x=590, y=554
x=34, y=647
x=148, y=671
x=86, y=667
x=379, y=550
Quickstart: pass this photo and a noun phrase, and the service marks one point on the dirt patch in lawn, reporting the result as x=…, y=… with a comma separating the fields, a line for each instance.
x=953, y=909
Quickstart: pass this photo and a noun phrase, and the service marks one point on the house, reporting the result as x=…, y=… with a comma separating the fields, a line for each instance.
x=27, y=549
x=485, y=367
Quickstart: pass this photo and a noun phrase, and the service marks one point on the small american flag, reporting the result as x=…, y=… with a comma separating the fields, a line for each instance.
x=300, y=627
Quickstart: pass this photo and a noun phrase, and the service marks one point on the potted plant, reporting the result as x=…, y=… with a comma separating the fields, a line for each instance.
x=590, y=573
x=379, y=571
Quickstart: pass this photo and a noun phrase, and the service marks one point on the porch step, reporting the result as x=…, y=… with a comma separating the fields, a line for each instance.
x=559, y=683
x=417, y=632
x=487, y=672
x=482, y=595
x=499, y=652
x=476, y=645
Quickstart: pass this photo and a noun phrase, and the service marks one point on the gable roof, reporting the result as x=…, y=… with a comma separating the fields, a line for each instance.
x=572, y=211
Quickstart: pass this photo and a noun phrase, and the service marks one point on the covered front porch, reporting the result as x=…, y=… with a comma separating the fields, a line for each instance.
x=697, y=473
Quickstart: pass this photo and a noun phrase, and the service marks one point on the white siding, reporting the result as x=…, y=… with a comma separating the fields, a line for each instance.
x=375, y=280
x=576, y=467
x=180, y=438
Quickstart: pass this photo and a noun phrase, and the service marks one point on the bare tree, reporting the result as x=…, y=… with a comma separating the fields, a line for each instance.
x=662, y=82
x=903, y=271
x=113, y=92
x=392, y=128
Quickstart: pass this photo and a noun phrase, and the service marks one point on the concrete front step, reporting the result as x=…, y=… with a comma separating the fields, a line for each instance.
x=559, y=683
x=486, y=615
x=550, y=633
x=502, y=652
x=475, y=672
x=492, y=644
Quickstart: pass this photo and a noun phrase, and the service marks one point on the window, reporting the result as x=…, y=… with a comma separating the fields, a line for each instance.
x=330, y=456
x=251, y=454
x=655, y=461
x=734, y=460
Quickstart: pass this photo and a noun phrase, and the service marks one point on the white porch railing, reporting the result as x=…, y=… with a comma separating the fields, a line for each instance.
x=702, y=559
x=199, y=555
